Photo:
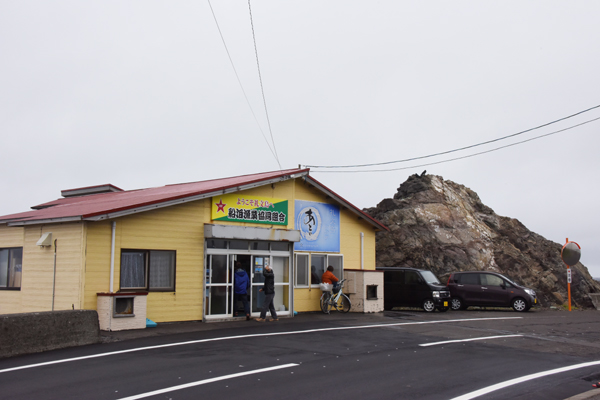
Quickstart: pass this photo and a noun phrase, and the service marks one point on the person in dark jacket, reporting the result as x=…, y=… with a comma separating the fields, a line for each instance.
x=269, y=290
x=242, y=283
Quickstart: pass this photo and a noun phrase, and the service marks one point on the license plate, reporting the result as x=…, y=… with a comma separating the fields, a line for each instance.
x=445, y=304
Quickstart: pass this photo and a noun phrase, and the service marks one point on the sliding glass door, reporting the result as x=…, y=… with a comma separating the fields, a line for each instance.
x=221, y=265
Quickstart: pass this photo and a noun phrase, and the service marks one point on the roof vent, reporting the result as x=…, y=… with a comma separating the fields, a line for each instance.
x=86, y=191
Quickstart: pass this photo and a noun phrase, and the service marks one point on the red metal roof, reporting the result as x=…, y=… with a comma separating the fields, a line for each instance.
x=110, y=205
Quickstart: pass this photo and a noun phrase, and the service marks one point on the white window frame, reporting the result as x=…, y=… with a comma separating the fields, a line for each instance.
x=308, y=267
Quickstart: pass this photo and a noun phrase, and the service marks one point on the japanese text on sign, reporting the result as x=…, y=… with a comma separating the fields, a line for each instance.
x=255, y=215
x=254, y=203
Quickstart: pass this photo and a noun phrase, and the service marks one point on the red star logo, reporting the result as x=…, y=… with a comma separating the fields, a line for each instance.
x=220, y=206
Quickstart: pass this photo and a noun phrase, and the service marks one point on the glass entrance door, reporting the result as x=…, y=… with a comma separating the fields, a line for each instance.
x=221, y=264
x=218, y=285
x=281, y=269
x=258, y=280
x=243, y=262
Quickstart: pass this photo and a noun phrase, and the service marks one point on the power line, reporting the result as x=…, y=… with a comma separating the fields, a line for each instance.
x=261, y=85
x=463, y=157
x=455, y=150
x=240, y=82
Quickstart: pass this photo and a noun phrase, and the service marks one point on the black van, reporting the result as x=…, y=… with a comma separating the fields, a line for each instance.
x=411, y=287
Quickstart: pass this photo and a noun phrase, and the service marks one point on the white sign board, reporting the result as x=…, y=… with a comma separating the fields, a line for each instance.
x=569, y=275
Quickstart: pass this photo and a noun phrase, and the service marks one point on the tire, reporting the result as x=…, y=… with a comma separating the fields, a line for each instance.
x=457, y=304
x=519, y=305
x=443, y=309
x=325, y=306
x=428, y=305
x=343, y=304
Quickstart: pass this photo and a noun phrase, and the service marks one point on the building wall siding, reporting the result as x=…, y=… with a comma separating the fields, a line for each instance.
x=40, y=268
x=179, y=228
x=37, y=280
x=97, y=262
x=11, y=236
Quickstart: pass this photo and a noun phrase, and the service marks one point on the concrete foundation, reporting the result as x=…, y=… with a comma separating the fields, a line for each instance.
x=43, y=331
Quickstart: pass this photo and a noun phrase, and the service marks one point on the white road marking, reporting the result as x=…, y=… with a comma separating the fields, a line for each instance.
x=467, y=340
x=112, y=353
x=205, y=381
x=522, y=379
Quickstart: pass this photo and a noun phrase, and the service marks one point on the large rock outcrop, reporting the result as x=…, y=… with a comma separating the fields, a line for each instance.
x=444, y=227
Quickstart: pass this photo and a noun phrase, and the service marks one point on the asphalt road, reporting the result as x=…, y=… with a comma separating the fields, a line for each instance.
x=396, y=355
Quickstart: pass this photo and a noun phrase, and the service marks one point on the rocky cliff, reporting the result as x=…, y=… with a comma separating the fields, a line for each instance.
x=444, y=227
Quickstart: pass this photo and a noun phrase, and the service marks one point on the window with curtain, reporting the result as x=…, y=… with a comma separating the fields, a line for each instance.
x=151, y=270
x=11, y=261
x=162, y=270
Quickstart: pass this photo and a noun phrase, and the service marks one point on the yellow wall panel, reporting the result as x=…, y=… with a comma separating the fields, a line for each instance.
x=37, y=279
x=11, y=236
x=307, y=300
x=179, y=228
x=351, y=227
x=97, y=266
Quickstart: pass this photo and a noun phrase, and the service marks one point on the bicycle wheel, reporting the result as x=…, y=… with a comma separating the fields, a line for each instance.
x=343, y=303
x=325, y=305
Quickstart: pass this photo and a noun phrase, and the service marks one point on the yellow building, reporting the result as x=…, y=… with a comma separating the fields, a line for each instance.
x=177, y=246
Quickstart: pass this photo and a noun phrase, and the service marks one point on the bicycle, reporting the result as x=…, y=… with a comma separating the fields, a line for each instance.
x=338, y=301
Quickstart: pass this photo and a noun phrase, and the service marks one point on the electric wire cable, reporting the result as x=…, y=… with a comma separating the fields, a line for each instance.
x=455, y=150
x=261, y=85
x=463, y=157
x=239, y=81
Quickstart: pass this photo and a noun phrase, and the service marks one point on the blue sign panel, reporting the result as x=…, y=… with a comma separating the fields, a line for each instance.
x=319, y=226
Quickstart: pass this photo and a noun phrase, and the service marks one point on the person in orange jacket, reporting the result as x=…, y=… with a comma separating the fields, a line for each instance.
x=329, y=277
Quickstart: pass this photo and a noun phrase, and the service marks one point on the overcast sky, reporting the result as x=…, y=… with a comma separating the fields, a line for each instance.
x=142, y=94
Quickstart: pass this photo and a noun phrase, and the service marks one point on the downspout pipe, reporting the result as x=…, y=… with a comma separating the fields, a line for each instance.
x=362, y=250
x=112, y=256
